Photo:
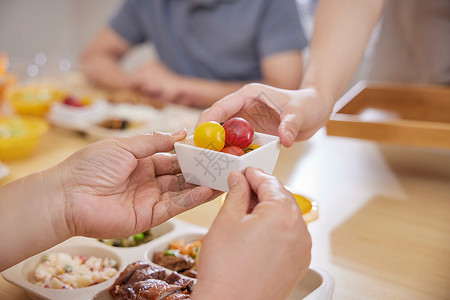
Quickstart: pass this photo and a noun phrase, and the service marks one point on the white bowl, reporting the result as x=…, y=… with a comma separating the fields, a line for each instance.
x=211, y=168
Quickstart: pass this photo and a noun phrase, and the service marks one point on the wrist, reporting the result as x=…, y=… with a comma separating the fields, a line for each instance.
x=54, y=199
x=32, y=214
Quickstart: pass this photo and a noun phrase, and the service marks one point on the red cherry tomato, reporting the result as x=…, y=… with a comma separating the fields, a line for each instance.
x=233, y=150
x=74, y=102
x=238, y=132
x=210, y=135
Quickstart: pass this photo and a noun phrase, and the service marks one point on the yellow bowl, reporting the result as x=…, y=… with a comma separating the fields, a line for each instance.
x=33, y=100
x=6, y=80
x=22, y=143
x=308, y=207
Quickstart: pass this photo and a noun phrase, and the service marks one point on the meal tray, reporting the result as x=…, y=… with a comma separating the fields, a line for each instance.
x=316, y=284
x=409, y=115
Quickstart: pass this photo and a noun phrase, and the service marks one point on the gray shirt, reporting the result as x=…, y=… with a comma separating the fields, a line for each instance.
x=214, y=39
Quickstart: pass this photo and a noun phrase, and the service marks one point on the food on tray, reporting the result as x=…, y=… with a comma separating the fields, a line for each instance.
x=238, y=132
x=140, y=280
x=232, y=137
x=65, y=271
x=117, y=124
x=180, y=257
x=13, y=128
x=131, y=241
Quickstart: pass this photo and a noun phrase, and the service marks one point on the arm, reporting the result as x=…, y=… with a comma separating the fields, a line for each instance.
x=341, y=32
x=128, y=179
x=342, y=29
x=101, y=60
x=281, y=69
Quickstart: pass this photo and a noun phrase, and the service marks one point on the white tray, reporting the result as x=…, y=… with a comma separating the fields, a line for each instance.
x=316, y=284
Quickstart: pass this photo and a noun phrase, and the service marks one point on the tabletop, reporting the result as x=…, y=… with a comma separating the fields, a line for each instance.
x=384, y=212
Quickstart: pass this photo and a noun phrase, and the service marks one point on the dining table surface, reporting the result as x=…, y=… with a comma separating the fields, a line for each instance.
x=383, y=230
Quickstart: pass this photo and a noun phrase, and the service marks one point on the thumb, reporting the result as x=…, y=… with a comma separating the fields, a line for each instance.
x=289, y=128
x=238, y=198
x=144, y=145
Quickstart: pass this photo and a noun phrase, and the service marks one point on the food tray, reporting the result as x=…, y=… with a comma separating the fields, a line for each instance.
x=410, y=115
x=316, y=284
x=144, y=118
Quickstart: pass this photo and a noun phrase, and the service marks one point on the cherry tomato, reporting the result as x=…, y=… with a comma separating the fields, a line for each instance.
x=251, y=148
x=210, y=135
x=74, y=102
x=233, y=150
x=238, y=132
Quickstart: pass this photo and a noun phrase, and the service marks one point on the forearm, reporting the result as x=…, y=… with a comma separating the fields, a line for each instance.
x=205, y=92
x=106, y=71
x=32, y=217
x=341, y=31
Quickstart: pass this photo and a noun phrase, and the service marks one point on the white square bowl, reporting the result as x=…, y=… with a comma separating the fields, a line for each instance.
x=211, y=168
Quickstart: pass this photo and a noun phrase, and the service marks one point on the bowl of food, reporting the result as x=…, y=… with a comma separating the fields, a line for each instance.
x=33, y=100
x=19, y=136
x=214, y=151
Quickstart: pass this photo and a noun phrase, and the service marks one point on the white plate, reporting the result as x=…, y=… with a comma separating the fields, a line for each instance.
x=315, y=285
x=144, y=117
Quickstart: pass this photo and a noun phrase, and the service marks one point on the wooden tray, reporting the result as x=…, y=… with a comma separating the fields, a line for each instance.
x=410, y=115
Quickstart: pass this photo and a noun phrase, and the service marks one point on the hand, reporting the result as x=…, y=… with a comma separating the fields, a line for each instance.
x=122, y=186
x=254, y=253
x=157, y=81
x=290, y=114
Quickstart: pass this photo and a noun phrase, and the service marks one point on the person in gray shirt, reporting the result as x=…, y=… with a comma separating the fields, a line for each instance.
x=206, y=48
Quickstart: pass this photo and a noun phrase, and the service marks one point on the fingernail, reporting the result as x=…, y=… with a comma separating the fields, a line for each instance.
x=234, y=178
x=290, y=136
x=179, y=132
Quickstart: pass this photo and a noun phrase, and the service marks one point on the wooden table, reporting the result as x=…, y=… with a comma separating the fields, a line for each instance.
x=384, y=212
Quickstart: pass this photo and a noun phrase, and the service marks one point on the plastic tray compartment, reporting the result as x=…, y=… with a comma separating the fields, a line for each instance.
x=315, y=285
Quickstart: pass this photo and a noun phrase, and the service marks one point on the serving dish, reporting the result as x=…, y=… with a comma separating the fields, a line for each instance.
x=316, y=284
x=211, y=168
x=140, y=118
x=34, y=100
x=22, y=143
x=409, y=115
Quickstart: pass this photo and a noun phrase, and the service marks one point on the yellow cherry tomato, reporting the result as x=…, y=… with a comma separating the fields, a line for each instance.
x=210, y=135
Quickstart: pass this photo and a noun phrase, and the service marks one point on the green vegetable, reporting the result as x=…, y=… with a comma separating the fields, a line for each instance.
x=45, y=257
x=139, y=236
x=171, y=252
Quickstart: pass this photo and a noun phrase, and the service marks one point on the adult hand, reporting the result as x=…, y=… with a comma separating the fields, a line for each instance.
x=256, y=249
x=157, y=81
x=122, y=186
x=293, y=115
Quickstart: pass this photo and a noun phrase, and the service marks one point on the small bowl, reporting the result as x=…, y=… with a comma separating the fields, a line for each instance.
x=20, y=145
x=211, y=168
x=34, y=100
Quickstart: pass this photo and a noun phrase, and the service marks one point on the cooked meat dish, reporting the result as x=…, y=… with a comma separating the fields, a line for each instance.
x=180, y=257
x=140, y=280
